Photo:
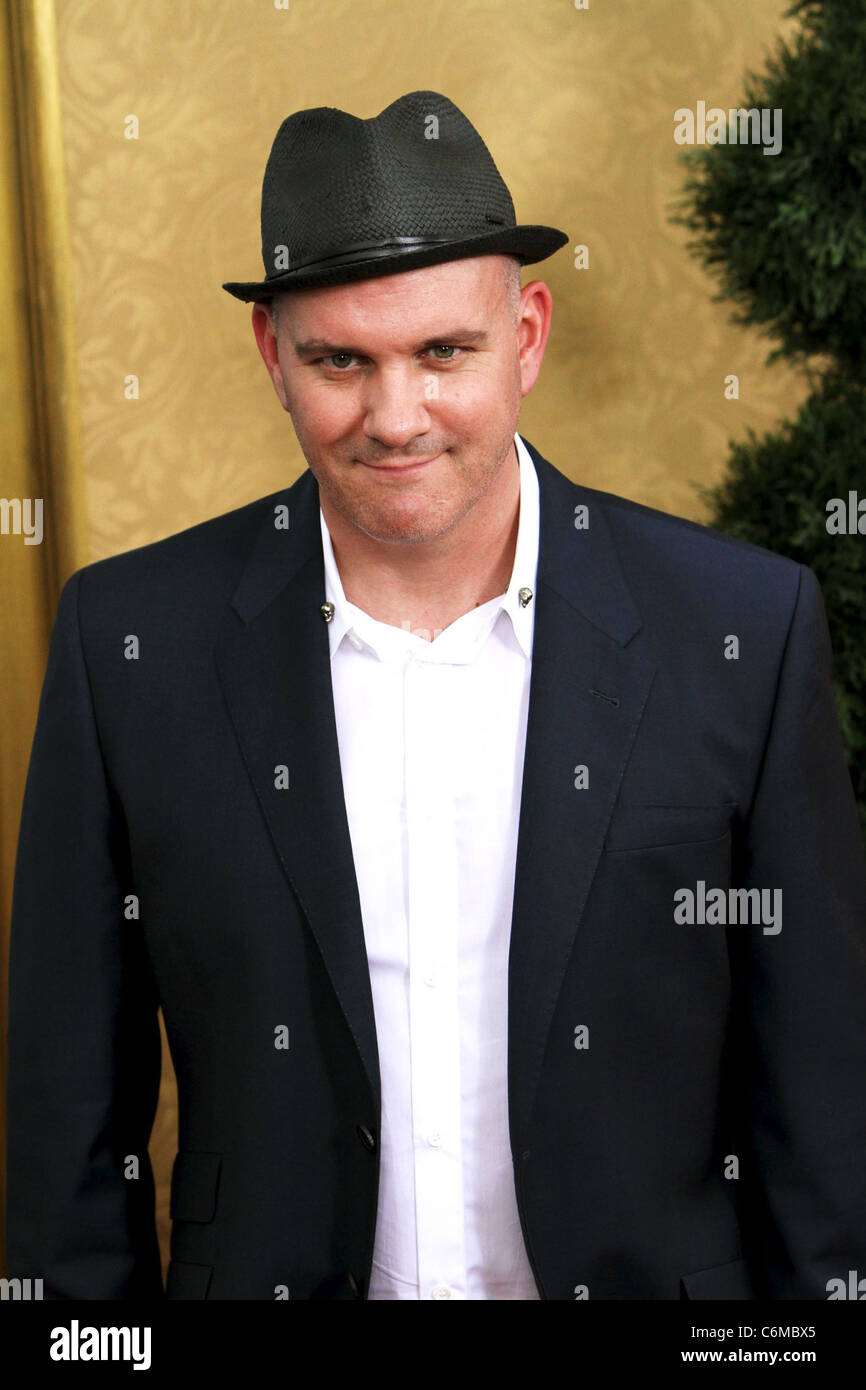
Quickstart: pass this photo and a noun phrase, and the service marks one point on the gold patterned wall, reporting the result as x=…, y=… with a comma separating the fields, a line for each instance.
x=577, y=105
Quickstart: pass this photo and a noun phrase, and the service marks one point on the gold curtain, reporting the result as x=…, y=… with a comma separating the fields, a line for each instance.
x=39, y=443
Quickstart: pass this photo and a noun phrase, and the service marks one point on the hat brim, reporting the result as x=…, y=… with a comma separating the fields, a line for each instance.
x=531, y=243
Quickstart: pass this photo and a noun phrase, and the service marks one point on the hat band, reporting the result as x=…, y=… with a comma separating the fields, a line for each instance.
x=368, y=252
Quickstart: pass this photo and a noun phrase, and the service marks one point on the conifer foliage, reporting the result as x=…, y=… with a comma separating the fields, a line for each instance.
x=786, y=236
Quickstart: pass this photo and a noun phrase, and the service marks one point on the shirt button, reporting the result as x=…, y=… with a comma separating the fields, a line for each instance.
x=441, y=1291
x=356, y=641
x=434, y=1140
x=430, y=979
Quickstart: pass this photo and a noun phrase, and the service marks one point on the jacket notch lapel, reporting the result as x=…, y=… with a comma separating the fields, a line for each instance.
x=588, y=690
x=275, y=675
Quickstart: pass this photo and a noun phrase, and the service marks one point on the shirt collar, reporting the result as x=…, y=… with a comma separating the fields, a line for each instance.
x=356, y=626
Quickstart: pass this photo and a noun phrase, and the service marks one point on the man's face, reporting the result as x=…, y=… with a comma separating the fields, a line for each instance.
x=420, y=368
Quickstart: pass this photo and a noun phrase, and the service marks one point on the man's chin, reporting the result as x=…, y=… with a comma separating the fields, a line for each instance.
x=403, y=530
x=411, y=523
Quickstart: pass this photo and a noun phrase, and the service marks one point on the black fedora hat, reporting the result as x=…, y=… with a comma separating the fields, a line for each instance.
x=346, y=199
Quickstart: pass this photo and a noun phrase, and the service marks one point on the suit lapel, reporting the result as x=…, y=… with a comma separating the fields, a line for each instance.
x=276, y=676
x=586, y=698
x=275, y=673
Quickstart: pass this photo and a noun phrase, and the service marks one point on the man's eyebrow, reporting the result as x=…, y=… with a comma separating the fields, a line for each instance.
x=320, y=347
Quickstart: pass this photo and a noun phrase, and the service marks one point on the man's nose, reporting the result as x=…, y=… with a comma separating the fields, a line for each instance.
x=395, y=404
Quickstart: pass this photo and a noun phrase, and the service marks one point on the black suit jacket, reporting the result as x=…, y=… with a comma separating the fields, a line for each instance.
x=708, y=1142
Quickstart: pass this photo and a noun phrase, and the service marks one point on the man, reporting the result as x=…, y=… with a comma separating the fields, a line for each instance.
x=419, y=796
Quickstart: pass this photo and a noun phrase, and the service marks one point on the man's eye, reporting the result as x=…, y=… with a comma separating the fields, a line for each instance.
x=340, y=360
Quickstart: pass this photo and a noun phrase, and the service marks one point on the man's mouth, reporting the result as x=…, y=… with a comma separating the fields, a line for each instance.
x=403, y=466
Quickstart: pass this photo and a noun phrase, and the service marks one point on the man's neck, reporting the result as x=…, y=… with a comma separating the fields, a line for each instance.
x=426, y=587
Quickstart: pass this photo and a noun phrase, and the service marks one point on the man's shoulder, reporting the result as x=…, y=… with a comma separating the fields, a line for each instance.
x=205, y=558
x=650, y=541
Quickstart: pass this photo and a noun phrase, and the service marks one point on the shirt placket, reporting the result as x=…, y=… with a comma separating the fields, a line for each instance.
x=434, y=1024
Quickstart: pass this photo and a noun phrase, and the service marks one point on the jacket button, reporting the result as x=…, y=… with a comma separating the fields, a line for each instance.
x=353, y=1285
x=367, y=1137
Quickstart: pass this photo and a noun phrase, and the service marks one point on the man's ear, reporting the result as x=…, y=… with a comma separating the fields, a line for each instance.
x=536, y=308
x=267, y=345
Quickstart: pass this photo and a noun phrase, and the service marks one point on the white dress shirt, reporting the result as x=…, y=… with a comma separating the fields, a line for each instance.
x=432, y=737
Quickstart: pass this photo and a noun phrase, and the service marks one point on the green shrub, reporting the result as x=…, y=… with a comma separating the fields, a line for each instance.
x=786, y=236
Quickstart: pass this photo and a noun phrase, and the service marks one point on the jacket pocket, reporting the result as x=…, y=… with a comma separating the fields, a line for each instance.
x=194, y=1185
x=635, y=825
x=185, y=1280
x=720, y=1281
